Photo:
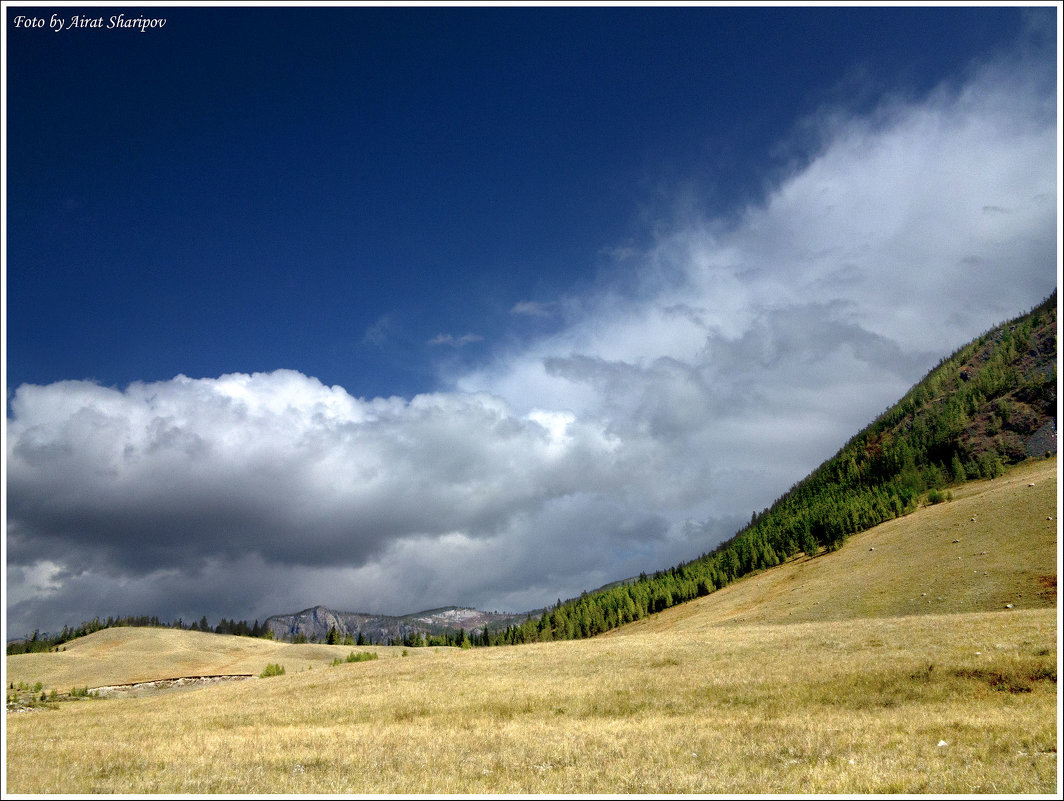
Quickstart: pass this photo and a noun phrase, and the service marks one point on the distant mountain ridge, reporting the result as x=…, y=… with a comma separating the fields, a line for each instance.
x=315, y=623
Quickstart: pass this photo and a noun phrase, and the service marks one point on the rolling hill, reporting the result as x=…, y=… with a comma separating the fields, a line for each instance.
x=140, y=654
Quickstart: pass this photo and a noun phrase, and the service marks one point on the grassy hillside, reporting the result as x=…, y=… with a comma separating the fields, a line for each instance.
x=126, y=655
x=873, y=691
x=994, y=544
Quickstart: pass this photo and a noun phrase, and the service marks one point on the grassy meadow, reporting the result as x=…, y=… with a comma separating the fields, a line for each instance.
x=851, y=683
x=127, y=655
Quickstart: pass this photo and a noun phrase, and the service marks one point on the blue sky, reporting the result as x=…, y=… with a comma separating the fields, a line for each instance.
x=564, y=292
x=331, y=189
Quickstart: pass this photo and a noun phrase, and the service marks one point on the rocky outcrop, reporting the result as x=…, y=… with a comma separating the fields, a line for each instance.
x=315, y=623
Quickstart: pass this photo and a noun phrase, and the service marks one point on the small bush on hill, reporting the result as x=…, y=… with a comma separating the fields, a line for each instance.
x=938, y=496
x=364, y=656
x=272, y=670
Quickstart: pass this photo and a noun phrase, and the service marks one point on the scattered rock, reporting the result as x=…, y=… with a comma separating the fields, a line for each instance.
x=137, y=689
x=956, y=540
x=871, y=549
x=1030, y=484
x=942, y=743
x=1008, y=606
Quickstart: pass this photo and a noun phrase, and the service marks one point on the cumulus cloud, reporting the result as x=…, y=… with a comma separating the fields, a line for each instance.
x=188, y=474
x=739, y=355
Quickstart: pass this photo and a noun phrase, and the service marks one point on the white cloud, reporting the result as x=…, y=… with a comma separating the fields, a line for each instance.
x=638, y=435
x=455, y=342
x=532, y=308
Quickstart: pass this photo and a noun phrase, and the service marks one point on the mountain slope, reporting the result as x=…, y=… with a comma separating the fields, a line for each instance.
x=990, y=404
x=995, y=545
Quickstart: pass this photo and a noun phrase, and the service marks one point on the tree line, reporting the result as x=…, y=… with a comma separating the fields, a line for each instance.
x=39, y=643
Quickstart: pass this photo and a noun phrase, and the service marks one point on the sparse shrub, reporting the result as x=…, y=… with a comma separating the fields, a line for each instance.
x=272, y=670
x=364, y=656
x=38, y=687
x=938, y=496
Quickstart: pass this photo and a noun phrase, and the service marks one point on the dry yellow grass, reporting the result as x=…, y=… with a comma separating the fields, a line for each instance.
x=1007, y=556
x=126, y=655
x=699, y=702
x=851, y=706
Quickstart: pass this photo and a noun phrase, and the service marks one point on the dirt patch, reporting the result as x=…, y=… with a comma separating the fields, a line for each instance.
x=1049, y=588
x=140, y=688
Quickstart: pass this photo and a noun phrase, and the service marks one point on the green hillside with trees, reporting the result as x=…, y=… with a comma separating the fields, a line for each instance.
x=990, y=404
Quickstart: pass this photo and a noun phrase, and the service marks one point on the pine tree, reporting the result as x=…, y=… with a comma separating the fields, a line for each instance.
x=957, y=469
